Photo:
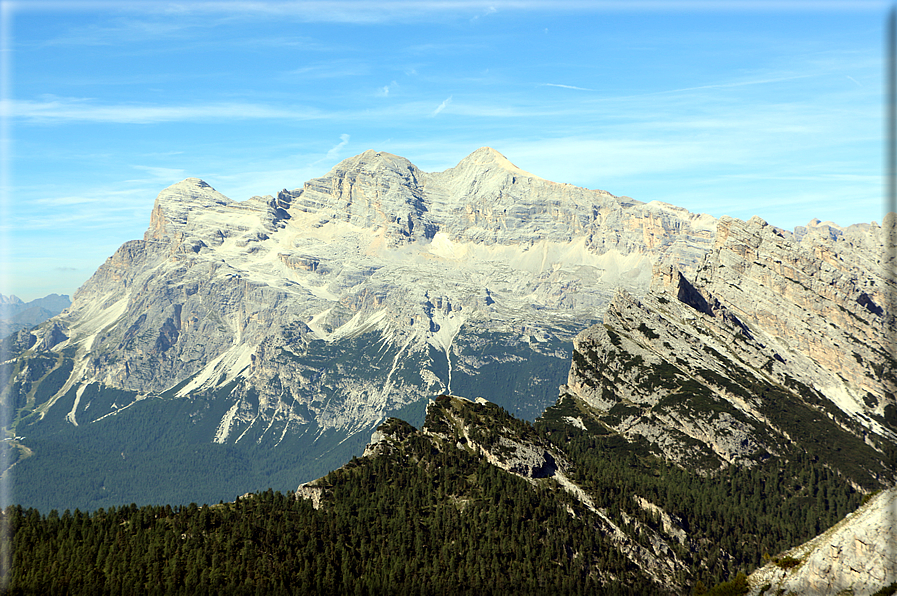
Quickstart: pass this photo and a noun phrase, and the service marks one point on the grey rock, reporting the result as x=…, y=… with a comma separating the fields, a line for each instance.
x=262, y=299
x=776, y=341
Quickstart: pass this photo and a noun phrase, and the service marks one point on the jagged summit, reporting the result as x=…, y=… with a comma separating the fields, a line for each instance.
x=772, y=344
x=487, y=157
x=179, y=201
x=815, y=223
x=372, y=161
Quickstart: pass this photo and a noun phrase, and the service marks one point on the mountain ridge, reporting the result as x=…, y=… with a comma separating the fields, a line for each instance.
x=307, y=318
x=719, y=372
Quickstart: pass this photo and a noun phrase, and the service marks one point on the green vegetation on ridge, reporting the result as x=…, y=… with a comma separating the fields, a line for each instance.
x=427, y=516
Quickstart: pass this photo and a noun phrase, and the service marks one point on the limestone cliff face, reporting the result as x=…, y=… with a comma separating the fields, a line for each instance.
x=823, y=297
x=778, y=342
x=364, y=291
x=857, y=556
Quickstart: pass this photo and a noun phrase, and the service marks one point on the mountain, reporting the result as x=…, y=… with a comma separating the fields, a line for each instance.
x=259, y=343
x=295, y=323
x=727, y=391
x=779, y=343
x=16, y=314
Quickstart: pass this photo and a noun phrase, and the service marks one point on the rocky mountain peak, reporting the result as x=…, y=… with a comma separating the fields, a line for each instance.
x=372, y=161
x=669, y=280
x=489, y=158
x=373, y=190
x=789, y=332
x=176, y=203
x=824, y=296
x=816, y=223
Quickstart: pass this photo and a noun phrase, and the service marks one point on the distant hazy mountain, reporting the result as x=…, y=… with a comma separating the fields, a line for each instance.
x=16, y=315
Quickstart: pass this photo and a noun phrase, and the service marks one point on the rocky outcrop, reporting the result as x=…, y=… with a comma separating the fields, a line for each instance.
x=824, y=297
x=857, y=556
x=778, y=342
x=315, y=494
x=391, y=432
x=458, y=420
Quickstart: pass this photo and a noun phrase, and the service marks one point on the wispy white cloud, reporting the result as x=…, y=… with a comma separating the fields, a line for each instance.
x=489, y=10
x=94, y=209
x=119, y=30
x=442, y=106
x=86, y=110
x=384, y=91
x=744, y=83
x=364, y=11
x=565, y=86
x=332, y=69
x=162, y=174
x=334, y=151
x=66, y=201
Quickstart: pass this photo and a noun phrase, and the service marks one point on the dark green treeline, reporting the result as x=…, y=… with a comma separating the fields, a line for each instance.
x=429, y=518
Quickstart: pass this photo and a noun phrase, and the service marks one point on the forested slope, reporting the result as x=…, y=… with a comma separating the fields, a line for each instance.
x=475, y=502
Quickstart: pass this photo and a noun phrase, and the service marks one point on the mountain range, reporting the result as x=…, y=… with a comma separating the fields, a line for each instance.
x=241, y=345
x=300, y=321
x=16, y=314
x=477, y=501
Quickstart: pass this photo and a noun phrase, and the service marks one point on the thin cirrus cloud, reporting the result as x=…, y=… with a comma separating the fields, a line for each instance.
x=155, y=173
x=331, y=70
x=68, y=109
x=127, y=30
x=334, y=151
x=81, y=212
x=565, y=86
x=443, y=105
x=364, y=11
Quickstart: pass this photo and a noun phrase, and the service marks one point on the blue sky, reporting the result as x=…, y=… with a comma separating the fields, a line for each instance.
x=761, y=108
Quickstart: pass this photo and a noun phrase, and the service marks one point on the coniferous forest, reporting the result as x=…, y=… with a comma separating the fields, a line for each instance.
x=430, y=517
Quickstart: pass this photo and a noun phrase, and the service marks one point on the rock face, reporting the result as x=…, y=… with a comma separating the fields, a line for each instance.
x=858, y=556
x=826, y=296
x=778, y=342
x=364, y=292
